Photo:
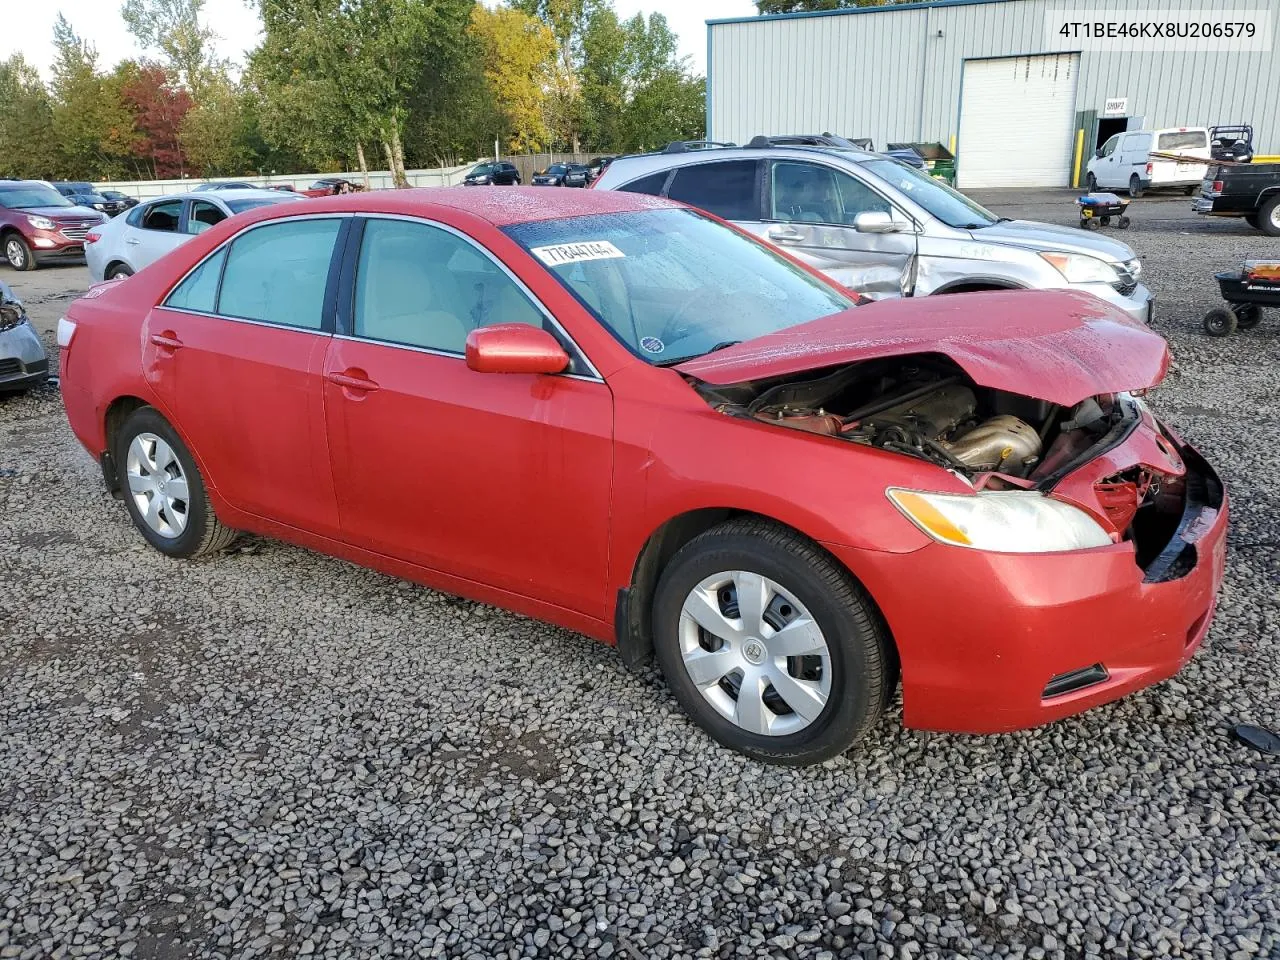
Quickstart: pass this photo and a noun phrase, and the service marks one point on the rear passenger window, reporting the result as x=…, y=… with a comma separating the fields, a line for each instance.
x=651, y=184
x=199, y=291
x=162, y=216
x=727, y=188
x=422, y=286
x=278, y=273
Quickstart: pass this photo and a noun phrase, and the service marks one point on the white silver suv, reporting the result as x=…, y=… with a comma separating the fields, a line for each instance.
x=880, y=227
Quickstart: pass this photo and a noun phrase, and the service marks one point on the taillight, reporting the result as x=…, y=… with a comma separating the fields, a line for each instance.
x=92, y=237
x=1149, y=169
x=1217, y=186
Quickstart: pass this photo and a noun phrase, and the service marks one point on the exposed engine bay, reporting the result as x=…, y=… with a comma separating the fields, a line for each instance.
x=926, y=407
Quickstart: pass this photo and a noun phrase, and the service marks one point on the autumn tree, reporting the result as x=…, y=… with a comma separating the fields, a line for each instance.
x=159, y=109
x=518, y=53
x=220, y=135
x=91, y=125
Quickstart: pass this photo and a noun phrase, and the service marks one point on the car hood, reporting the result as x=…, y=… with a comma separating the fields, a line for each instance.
x=1049, y=237
x=55, y=213
x=1062, y=346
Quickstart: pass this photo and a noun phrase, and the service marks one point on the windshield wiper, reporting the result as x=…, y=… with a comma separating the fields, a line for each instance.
x=693, y=356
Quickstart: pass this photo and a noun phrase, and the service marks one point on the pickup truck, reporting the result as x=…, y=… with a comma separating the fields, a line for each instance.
x=1249, y=190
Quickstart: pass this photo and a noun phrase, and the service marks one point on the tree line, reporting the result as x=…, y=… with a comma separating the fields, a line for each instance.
x=348, y=85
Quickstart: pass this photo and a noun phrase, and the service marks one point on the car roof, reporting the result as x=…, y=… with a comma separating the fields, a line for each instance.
x=501, y=208
x=239, y=193
x=638, y=164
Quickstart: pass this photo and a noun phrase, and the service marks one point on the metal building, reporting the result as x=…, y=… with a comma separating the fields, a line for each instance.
x=991, y=78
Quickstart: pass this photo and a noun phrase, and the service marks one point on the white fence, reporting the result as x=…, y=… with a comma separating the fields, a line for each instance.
x=380, y=179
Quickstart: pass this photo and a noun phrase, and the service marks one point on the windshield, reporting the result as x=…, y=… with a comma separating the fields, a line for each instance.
x=950, y=206
x=240, y=206
x=673, y=284
x=556, y=168
x=1189, y=140
x=30, y=196
x=482, y=170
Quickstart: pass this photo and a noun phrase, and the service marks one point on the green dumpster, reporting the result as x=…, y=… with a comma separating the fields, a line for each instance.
x=938, y=160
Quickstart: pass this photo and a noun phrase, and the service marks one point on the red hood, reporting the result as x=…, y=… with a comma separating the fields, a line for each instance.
x=1057, y=345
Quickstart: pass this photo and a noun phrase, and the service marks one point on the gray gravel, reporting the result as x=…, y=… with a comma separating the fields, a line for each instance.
x=276, y=753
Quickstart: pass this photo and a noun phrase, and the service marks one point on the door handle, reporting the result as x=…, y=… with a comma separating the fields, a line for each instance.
x=352, y=380
x=167, y=340
x=785, y=234
x=133, y=241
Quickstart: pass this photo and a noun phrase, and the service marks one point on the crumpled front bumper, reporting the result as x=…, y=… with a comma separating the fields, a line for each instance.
x=987, y=640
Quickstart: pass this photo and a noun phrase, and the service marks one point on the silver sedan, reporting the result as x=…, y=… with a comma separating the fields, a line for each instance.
x=124, y=245
x=23, y=362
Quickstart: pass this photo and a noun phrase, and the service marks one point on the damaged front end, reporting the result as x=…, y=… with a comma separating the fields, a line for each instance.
x=23, y=362
x=1106, y=454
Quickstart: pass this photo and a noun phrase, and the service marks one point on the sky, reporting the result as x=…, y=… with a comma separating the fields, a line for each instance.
x=237, y=26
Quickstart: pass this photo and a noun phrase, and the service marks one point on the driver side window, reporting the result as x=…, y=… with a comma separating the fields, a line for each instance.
x=1109, y=147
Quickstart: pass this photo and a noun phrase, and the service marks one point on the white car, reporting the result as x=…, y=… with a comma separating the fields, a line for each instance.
x=123, y=246
x=1125, y=162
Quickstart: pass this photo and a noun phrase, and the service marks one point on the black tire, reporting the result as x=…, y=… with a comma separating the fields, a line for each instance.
x=1220, y=322
x=1123, y=223
x=204, y=533
x=1106, y=221
x=1248, y=315
x=1269, y=217
x=1192, y=191
x=1092, y=224
x=18, y=252
x=1252, y=220
x=1135, y=186
x=1090, y=182
x=119, y=270
x=863, y=661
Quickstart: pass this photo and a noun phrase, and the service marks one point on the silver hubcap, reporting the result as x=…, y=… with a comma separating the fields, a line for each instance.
x=157, y=484
x=13, y=253
x=1275, y=216
x=755, y=653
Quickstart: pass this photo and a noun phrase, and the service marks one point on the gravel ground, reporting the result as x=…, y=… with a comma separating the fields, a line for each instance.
x=276, y=753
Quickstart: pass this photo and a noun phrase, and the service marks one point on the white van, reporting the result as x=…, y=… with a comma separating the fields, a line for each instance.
x=1125, y=161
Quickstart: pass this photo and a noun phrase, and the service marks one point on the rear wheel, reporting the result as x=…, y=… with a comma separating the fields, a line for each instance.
x=1191, y=191
x=18, y=253
x=163, y=489
x=1269, y=217
x=769, y=645
x=1135, y=186
x=1220, y=322
x=1248, y=315
x=1090, y=182
x=119, y=271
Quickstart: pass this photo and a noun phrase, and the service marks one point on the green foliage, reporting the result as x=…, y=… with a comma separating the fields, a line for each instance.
x=417, y=82
x=28, y=145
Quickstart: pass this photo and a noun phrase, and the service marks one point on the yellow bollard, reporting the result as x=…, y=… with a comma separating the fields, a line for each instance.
x=1075, y=167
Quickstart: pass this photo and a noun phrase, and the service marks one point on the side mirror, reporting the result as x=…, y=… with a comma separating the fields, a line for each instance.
x=1098, y=153
x=514, y=348
x=877, y=221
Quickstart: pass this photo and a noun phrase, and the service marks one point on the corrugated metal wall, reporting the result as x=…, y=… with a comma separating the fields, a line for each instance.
x=888, y=75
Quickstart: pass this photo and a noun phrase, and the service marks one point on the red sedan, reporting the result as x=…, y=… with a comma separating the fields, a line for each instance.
x=619, y=415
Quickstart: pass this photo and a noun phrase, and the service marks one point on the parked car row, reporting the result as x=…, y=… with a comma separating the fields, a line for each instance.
x=765, y=470
x=503, y=173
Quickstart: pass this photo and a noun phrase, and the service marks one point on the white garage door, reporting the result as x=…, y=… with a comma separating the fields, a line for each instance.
x=1017, y=116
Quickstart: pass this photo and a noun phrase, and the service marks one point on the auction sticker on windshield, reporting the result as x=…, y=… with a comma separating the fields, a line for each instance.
x=562, y=253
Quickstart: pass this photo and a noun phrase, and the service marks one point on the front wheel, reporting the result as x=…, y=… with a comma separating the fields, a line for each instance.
x=769, y=645
x=18, y=253
x=1090, y=183
x=1135, y=186
x=163, y=489
x=1220, y=322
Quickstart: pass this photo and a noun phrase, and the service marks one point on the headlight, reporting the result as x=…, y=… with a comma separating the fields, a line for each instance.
x=1080, y=268
x=1003, y=521
x=99, y=206
x=42, y=223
